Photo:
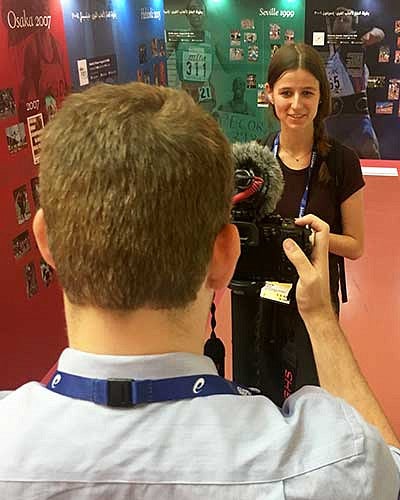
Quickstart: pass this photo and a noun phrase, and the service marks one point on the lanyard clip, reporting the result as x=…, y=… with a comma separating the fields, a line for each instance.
x=119, y=392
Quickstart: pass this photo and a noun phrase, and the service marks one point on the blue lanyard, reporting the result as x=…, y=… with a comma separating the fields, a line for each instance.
x=304, y=199
x=129, y=392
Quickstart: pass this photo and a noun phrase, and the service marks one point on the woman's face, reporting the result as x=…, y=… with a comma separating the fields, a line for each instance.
x=296, y=95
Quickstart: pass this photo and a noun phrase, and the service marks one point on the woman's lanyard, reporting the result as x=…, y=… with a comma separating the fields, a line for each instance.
x=304, y=199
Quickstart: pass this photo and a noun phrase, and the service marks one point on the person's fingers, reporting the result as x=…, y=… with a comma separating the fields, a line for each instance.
x=321, y=237
x=315, y=222
x=297, y=258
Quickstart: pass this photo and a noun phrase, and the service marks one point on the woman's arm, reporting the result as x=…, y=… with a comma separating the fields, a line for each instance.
x=338, y=370
x=350, y=244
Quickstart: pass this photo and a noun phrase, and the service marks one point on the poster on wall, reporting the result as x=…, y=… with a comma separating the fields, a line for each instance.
x=358, y=45
x=34, y=79
x=219, y=54
x=115, y=42
x=36, y=47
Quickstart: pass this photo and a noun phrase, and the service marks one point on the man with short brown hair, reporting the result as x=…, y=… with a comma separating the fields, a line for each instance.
x=129, y=163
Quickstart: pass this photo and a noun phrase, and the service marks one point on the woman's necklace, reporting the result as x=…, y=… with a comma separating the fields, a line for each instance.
x=296, y=158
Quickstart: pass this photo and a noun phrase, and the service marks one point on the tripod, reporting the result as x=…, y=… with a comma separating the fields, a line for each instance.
x=269, y=344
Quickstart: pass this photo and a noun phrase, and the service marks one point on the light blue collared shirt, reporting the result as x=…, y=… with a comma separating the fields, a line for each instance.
x=219, y=447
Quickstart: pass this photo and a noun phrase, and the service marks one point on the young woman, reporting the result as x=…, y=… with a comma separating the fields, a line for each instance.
x=322, y=177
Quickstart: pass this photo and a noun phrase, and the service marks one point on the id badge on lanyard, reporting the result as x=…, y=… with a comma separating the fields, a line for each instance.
x=304, y=198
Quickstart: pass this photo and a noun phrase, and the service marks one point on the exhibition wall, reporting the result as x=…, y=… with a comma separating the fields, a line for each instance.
x=33, y=81
x=219, y=52
x=360, y=43
x=43, y=43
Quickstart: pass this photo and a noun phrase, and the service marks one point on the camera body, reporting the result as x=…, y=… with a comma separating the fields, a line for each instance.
x=262, y=257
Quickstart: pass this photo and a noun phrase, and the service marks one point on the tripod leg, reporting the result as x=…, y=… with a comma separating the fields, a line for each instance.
x=244, y=313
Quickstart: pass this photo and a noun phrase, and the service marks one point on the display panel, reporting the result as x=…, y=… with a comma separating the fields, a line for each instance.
x=219, y=53
x=359, y=42
x=115, y=42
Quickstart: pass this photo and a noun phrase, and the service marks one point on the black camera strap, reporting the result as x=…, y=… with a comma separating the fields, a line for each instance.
x=289, y=368
x=214, y=347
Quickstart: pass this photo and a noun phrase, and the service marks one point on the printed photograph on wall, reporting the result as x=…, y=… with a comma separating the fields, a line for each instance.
x=30, y=280
x=251, y=81
x=235, y=37
x=236, y=54
x=384, y=54
x=21, y=203
x=274, y=31
x=250, y=37
x=7, y=103
x=394, y=90
x=16, y=137
x=247, y=24
x=262, y=97
x=21, y=245
x=289, y=36
x=384, y=108
x=252, y=53
x=274, y=48
x=35, y=192
x=358, y=47
x=46, y=272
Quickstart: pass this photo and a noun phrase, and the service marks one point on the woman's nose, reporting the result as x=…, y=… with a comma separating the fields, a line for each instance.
x=296, y=101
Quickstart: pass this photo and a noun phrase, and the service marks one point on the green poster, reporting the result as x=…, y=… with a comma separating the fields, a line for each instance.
x=219, y=51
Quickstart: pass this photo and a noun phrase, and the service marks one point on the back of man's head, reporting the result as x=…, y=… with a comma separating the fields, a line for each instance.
x=136, y=182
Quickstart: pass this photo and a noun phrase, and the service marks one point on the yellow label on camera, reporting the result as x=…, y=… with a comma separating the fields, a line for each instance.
x=278, y=292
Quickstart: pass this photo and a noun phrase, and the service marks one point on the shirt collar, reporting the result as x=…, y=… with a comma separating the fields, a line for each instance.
x=135, y=367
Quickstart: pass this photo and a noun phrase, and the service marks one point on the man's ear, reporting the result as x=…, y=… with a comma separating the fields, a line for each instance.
x=40, y=232
x=225, y=255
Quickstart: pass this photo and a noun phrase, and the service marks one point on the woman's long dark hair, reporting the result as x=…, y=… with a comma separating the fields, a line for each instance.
x=301, y=56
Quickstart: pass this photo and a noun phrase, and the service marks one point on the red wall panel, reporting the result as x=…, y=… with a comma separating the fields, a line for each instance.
x=34, y=78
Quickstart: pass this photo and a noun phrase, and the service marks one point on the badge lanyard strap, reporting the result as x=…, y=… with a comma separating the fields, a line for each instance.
x=304, y=198
x=130, y=392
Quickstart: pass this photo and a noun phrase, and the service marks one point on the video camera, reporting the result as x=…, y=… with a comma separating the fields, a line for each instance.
x=258, y=188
